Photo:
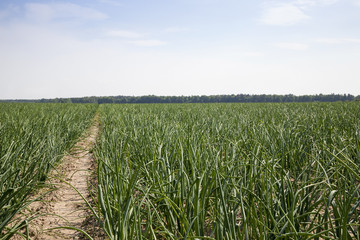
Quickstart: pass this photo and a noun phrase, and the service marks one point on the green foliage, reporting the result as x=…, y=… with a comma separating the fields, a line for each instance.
x=241, y=98
x=230, y=171
x=33, y=138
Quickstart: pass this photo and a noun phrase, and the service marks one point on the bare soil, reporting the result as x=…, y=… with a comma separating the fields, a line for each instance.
x=64, y=207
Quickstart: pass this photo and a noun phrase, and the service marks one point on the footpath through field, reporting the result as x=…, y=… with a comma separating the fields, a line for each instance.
x=64, y=206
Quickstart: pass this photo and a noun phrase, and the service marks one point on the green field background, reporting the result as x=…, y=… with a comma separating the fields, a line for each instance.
x=195, y=171
x=230, y=171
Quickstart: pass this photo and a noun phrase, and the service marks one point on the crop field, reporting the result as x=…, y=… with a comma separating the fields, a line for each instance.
x=33, y=137
x=230, y=171
x=197, y=171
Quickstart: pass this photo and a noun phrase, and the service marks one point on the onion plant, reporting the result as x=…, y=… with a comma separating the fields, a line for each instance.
x=33, y=138
x=230, y=171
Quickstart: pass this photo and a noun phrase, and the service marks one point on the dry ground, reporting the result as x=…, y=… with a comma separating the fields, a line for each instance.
x=64, y=206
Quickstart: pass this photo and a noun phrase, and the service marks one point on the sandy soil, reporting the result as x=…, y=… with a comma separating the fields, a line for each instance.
x=64, y=206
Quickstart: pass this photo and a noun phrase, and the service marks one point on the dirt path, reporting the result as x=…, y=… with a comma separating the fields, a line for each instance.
x=64, y=206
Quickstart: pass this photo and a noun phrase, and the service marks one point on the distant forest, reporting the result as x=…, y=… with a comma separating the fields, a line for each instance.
x=241, y=98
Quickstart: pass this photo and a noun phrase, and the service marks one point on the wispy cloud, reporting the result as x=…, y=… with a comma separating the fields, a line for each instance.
x=253, y=54
x=8, y=11
x=148, y=43
x=53, y=11
x=290, y=13
x=283, y=15
x=356, y=2
x=111, y=2
x=292, y=46
x=138, y=38
x=310, y=3
x=338, y=40
x=4, y=14
x=176, y=29
x=124, y=34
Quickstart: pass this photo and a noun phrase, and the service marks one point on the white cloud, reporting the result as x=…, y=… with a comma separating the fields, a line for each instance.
x=328, y=40
x=176, y=29
x=139, y=39
x=148, y=43
x=8, y=11
x=46, y=12
x=356, y=2
x=4, y=14
x=253, y=54
x=290, y=13
x=338, y=40
x=111, y=2
x=283, y=15
x=293, y=46
x=352, y=40
x=310, y=3
x=123, y=34
x=55, y=64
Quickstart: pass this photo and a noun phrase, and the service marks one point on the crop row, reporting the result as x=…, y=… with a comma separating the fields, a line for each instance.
x=230, y=171
x=196, y=171
x=33, y=137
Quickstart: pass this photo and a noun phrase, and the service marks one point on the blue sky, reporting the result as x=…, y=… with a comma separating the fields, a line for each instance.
x=180, y=47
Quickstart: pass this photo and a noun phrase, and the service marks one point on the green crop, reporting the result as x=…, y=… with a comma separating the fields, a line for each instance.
x=230, y=171
x=196, y=171
x=33, y=138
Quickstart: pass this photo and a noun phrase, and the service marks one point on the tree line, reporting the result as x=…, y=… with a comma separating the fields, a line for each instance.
x=241, y=98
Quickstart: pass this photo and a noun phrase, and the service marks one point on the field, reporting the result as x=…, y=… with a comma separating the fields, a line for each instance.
x=33, y=138
x=197, y=171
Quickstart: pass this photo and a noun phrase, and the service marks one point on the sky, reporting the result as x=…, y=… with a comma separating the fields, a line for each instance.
x=77, y=48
